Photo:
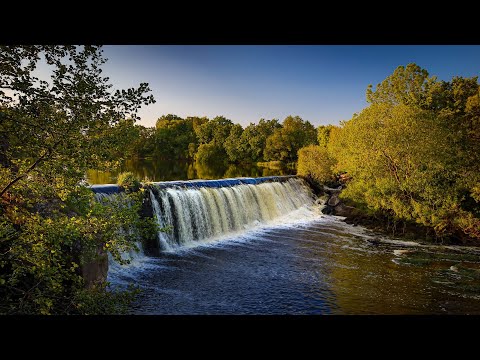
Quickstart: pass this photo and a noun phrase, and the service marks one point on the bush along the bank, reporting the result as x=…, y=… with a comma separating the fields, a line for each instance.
x=315, y=162
x=128, y=182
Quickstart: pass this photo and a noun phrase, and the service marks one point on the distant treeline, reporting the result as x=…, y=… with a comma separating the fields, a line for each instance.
x=217, y=140
x=413, y=154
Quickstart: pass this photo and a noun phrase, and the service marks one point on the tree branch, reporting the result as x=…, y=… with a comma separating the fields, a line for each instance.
x=30, y=168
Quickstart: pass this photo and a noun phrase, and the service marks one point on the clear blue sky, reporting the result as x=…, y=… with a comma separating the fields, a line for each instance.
x=322, y=84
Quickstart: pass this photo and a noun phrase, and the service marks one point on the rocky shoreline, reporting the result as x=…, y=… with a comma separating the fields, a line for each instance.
x=334, y=205
x=381, y=224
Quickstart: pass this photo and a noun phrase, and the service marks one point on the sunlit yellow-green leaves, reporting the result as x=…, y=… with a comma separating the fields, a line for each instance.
x=414, y=153
x=315, y=162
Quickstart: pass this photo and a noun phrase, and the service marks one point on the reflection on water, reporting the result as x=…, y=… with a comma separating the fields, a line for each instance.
x=325, y=267
x=164, y=170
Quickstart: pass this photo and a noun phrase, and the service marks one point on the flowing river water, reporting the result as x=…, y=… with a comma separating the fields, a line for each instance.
x=267, y=249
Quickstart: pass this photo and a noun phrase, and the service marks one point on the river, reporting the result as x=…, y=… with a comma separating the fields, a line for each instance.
x=301, y=262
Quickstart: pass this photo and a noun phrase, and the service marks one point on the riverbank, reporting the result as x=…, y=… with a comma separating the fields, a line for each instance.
x=377, y=222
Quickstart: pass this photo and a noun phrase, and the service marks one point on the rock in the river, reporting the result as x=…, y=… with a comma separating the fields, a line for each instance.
x=401, y=252
x=328, y=210
x=343, y=210
x=334, y=200
x=330, y=190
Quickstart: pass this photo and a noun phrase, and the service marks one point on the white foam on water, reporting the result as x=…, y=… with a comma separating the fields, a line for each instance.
x=208, y=216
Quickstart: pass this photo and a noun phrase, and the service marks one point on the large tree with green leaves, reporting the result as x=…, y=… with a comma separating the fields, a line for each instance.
x=284, y=143
x=214, y=131
x=173, y=137
x=323, y=134
x=52, y=129
x=233, y=145
x=48, y=123
x=414, y=152
x=254, y=138
x=409, y=85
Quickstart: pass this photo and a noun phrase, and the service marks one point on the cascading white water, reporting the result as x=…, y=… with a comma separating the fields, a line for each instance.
x=202, y=213
x=161, y=235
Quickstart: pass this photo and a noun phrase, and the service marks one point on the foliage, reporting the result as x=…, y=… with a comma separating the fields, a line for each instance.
x=414, y=153
x=167, y=119
x=254, y=138
x=47, y=251
x=101, y=300
x=210, y=154
x=51, y=132
x=408, y=85
x=284, y=143
x=128, y=182
x=233, y=145
x=125, y=132
x=323, y=134
x=248, y=145
x=174, y=137
x=315, y=162
x=138, y=142
x=214, y=131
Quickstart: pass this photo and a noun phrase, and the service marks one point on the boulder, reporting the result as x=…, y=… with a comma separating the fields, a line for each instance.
x=334, y=200
x=330, y=190
x=328, y=210
x=344, y=210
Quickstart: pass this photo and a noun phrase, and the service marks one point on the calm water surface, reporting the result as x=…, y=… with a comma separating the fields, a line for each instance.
x=163, y=170
x=322, y=266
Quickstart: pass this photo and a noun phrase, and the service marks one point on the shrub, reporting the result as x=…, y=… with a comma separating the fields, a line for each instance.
x=128, y=182
x=314, y=162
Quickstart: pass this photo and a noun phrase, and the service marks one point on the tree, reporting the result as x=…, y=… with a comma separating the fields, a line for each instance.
x=196, y=123
x=323, y=132
x=391, y=169
x=414, y=153
x=216, y=131
x=315, y=162
x=233, y=144
x=144, y=145
x=211, y=154
x=173, y=137
x=167, y=119
x=52, y=131
x=284, y=143
x=132, y=140
x=72, y=115
x=408, y=85
x=254, y=138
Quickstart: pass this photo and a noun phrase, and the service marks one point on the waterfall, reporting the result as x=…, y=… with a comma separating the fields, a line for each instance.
x=162, y=238
x=200, y=212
